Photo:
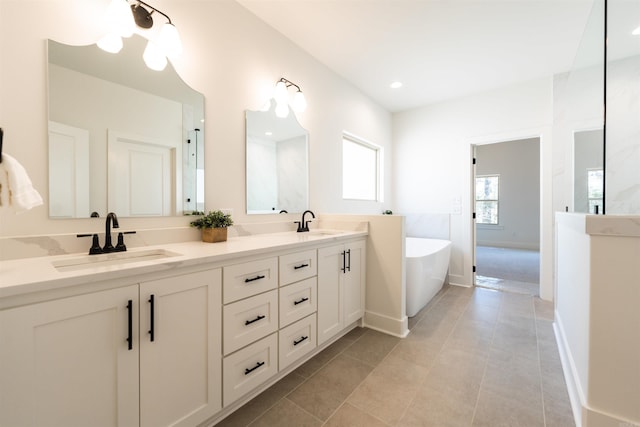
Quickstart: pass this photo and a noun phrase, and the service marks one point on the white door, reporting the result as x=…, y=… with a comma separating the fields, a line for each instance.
x=68, y=171
x=180, y=369
x=353, y=289
x=140, y=176
x=330, y=312
x=67, y=362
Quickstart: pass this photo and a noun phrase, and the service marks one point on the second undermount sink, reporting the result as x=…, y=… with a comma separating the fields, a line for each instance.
x=112, y=259
x=321, y=232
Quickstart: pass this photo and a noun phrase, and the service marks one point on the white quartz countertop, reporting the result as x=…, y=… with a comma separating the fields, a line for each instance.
x=28, y=275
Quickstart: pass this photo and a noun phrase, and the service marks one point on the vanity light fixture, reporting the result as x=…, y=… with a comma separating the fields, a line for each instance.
x=281, y=95
x=121, y=24
x=123, y=18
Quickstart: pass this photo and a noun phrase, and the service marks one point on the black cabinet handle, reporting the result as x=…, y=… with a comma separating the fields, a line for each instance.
x=151, y=317
x=302, y=338
x=297, y=267
x=349, y=260
x=248, y=322
x=247, y=371
x=300, y=301
x=130, y=325
x=344, y=261
x=253, y=279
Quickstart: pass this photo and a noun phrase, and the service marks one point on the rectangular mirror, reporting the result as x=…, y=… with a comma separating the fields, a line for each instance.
x=122, y=137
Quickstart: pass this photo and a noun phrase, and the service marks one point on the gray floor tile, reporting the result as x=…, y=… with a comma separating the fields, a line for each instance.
x=323, y=393
x=286, y=412
x=350, y=416
x=372, y=347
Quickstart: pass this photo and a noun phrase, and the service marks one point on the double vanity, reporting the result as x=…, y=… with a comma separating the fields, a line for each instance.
x=182, y=334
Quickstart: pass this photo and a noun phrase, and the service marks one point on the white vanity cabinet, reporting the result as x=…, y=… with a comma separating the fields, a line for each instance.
x=341, y=281
x=175, y=344
x=180, y=357
x=250, y=322
x=89, y=359
x=69, y=361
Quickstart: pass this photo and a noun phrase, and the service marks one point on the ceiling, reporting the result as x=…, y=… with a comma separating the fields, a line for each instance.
x=438, y=49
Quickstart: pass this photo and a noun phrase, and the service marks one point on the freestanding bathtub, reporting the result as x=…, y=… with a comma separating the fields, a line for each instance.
x=426, y=263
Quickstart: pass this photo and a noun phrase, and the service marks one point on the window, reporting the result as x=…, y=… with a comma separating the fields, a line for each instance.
x=594, y=189
x=487, y=193
x=360, y=170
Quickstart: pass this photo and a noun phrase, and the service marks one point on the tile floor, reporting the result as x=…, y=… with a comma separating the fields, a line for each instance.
x=474, y=357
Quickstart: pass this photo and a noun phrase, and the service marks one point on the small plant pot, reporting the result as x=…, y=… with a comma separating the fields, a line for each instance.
x=212, y=235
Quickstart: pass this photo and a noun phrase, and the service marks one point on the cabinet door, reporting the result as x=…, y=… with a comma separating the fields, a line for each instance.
x=67, y=362
x=354, y=278
x=330, y=312
x=180, y=369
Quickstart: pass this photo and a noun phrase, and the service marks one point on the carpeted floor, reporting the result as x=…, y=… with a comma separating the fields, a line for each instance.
x=515, y=270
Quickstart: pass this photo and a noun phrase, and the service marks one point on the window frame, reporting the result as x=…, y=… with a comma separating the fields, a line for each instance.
x=496, y=200
x=378, y=150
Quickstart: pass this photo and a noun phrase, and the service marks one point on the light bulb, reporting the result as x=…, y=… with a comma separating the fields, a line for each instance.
x=282, y=110
x=280, y=94
x=111, y=43
x=120, y=18
x=154, y=57
x=169, y=41
x=299, y=103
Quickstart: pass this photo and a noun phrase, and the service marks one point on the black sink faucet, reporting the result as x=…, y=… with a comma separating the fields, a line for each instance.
x=111, y=219
x=302, y=225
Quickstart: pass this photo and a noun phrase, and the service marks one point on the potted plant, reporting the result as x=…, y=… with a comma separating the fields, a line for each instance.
x=213, y=225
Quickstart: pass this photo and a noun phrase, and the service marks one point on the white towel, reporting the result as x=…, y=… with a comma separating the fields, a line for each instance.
x=16, y=190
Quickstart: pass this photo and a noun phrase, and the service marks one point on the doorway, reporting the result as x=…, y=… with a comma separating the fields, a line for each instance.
x=507, y=215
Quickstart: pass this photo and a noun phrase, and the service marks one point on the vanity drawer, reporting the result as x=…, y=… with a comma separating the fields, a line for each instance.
x=249, y=320
x=298, y=300
x=249, y=278
x=249, y=367
x=298, y=266
x=297, y=340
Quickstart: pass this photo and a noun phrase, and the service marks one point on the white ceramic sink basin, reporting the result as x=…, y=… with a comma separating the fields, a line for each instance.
x=117, y=258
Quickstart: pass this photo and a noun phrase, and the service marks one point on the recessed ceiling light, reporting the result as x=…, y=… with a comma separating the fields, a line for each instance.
x=395, y=85
x=268, y=133
x=636, y=32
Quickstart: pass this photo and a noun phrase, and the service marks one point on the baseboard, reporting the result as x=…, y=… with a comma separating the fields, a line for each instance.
x=386, y=324
x=568, y=368
x=583, y=415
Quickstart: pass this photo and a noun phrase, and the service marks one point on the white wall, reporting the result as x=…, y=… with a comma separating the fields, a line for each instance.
x=596, y=316
x=518, y=164
x=230, y=56
x=432, y=161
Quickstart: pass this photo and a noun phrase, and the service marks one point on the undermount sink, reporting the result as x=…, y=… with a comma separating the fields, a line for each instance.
x=117, y=258
x=325, y=232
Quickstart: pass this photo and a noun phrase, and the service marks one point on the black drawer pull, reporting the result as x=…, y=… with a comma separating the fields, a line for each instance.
x=130, y=325
x=297, y=267
x=300, y=301
x=302, y=338
x=152, y=330
x=253, y=279
x=248, y=322
x=247, y=371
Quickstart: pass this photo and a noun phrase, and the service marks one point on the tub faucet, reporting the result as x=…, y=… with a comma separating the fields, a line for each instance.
x=302, y=225
x=111, y=219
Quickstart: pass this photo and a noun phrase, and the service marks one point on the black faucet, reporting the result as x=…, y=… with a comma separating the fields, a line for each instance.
x=111, y=218
x=302, y=225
